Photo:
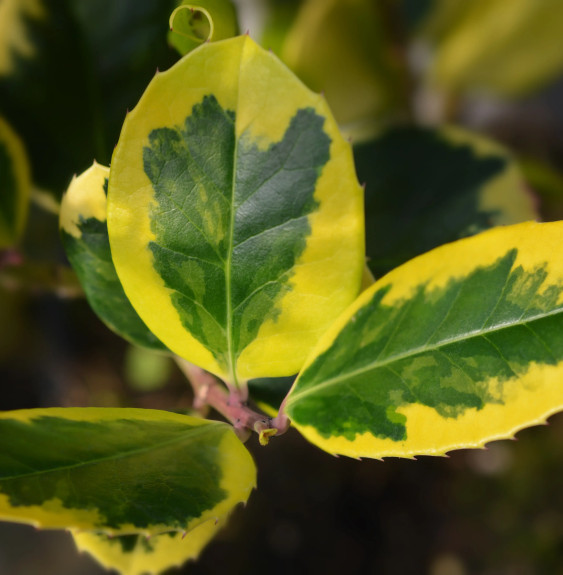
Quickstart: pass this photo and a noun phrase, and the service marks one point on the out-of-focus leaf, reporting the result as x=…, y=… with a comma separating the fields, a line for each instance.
x=85, y=238
x=280, y=17
x=491, y=45
x=145, y=369
x=199, y=21
x=38, y=277
x=427, y=187
x=119, y=471
x=69, y=69
x=234, y=213
x=340, y=47
x=139, y=555
x=455, y=348
x=547, y=183
x=14, y=186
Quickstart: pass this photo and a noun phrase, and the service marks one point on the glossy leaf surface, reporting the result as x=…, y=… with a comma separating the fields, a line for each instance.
x=487, y=45
x=120, y=471
x=138, y=555
x=234, y=213
x=193, y=23
x=14, y=186
x=455, y=348
x=427, y=187
x=85, y=238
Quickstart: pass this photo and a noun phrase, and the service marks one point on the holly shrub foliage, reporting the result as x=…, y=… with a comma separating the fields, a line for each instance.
x=230, y=231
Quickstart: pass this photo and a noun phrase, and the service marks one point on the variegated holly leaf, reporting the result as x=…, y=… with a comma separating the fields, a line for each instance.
x=427, y=187
x=85, y=237
x=234, y=213
x=119, y=471
x=197, y=21
x=455, y=348
x=14, y=186
x=140, y=555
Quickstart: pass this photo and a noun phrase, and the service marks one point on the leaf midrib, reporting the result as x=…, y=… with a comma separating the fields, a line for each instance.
x=177, y=438
x=230, y=247
x=292, y=398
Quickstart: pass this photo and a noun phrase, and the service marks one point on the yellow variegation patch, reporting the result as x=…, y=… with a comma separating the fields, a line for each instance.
x=138, y=555
x=84, y=199
x=505, y=196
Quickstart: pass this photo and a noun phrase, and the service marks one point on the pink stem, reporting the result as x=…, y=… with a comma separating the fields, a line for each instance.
x=230, y=403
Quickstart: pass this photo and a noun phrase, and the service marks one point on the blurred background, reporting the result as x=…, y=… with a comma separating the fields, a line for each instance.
x=69, y=71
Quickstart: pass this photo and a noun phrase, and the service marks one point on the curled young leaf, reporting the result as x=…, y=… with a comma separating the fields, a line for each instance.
x=196, y=22
x=235, y=217
x=119, y=471
x=455, y=348
x=85, y=237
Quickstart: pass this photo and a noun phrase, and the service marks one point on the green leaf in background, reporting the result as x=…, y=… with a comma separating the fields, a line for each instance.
x=85, y=238
x=491, y=45
x=145, y=369
x=547, y=183
x=428, y=187
x=455, y=348
x=193, y=23
x=120, y=471
x=234, y=213
x=138, y=555
x=14, y=186
x=340, y=47
x=69, y=69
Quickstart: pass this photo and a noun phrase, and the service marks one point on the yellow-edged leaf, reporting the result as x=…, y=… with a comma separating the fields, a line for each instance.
x=139, y=555
x=426, y=187
x=85, y=237
x=119, y=471
x=234, y=213
x=455, y=348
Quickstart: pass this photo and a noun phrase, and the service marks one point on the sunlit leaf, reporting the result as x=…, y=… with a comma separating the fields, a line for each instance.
x=138, y=555
x=455, y=348
x=85, y=238
x=489, y=45
x=427, y=187
x=234, y=213
x=14, y=186
x=120, y=471
x=199, y=21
